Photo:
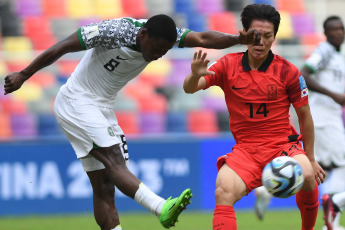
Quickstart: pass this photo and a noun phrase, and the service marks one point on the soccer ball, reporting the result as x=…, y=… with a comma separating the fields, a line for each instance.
x=283, y=177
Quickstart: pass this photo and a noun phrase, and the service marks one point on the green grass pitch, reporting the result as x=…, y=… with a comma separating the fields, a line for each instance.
x=189, y=220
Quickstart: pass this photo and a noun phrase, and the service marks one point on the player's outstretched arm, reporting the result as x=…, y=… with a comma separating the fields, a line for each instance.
x=315, y=86
x=218, y=40
x=14, y=81
x=195, y=80
x=307, y=130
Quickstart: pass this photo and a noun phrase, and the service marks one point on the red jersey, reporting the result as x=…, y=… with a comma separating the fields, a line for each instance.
x=258, y=101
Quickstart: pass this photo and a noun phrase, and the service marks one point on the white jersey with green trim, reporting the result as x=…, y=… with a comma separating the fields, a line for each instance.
x=328, y=67
x=112, y=60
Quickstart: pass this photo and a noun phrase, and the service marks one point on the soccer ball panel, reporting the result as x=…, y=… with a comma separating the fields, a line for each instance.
x=283, y=177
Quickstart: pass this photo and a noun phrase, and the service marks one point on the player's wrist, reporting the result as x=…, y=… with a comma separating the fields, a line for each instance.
x=25, y=74
x=238, y=39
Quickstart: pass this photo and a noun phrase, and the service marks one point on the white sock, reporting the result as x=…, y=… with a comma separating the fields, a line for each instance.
x=339, y=199
x=145, y=197
x=118, y=227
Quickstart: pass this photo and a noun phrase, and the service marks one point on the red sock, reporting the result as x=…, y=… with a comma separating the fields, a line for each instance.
x=308, y=204
x=224, y=218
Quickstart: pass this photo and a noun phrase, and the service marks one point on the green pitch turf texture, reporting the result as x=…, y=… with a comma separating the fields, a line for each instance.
x=246, y=220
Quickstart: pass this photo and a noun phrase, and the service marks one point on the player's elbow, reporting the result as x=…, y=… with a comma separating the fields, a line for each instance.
x=188, y=91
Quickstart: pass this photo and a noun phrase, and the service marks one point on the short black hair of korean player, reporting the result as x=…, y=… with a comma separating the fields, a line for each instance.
x=330, y=18
x=161, y=26
x=260, y=12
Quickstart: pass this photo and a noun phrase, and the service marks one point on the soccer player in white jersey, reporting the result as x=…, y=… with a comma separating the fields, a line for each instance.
x=324, y=72
x=118, y=50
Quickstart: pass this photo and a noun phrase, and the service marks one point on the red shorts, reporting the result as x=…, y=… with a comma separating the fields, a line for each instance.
x=249, y=160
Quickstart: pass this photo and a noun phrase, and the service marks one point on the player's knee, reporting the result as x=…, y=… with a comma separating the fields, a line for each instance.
x=309, y=180
x=225, y=197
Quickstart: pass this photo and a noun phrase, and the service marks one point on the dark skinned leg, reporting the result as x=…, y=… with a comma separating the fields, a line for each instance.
x=116, y=169
x=103, y=200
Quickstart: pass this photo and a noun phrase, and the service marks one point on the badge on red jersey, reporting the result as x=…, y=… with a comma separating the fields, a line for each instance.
x=303, y=86
x=304, y=92
x=272, y=92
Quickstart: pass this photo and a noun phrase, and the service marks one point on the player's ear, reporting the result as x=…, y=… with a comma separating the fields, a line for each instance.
x=143, y=33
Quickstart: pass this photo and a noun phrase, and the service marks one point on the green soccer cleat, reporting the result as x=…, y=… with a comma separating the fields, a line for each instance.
x=172, y=208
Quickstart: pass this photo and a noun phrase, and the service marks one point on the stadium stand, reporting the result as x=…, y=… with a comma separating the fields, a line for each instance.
x=202, y=121
x=24, y=125
x=47, y=125
x=292, y=6
x=131, y=119
x=176, y=122
x=108, y=9
x=303, y=23
x=135, y=8
x=5, y=126
x=285, y=28
x=54, y=8
x=153, y=122
x=225, y=22
x=155, y=101
x=209, y=6
x=12, y=106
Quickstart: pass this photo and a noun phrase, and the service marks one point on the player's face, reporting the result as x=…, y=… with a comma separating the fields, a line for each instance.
x=335, y=32
x=153, y=48
x=266, y=29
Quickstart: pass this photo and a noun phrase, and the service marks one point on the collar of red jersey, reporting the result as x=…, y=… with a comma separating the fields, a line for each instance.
x=263, y=67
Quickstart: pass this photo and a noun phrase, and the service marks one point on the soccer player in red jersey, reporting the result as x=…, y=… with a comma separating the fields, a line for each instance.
x=259, y=87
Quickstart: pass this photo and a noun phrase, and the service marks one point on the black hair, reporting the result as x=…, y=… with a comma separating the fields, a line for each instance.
x=260, y=12
x=161, y=26
x=330, y=18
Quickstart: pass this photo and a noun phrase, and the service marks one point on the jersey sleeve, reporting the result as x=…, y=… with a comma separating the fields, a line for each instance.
x=181, y=34
x=110, y=34
x=297, y=89
x=217, y=79
x=319, y=58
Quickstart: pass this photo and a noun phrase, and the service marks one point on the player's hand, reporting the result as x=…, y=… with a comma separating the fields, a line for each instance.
x=14, y=81
x=199, y=64
x=251, y=37
x=319, y=172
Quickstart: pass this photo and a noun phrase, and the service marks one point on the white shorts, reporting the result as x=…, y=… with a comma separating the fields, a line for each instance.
x=330, y=145
x=87, y=126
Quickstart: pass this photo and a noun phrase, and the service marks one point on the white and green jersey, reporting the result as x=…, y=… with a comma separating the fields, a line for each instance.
x=112, y=60
x=328, y=68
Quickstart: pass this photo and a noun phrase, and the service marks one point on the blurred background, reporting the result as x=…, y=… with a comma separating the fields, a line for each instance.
x=153, y=103
x=174, y=139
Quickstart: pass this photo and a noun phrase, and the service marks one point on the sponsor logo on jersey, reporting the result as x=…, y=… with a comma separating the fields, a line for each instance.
x=236, y=88
x=120, y=58
x=272, y=92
